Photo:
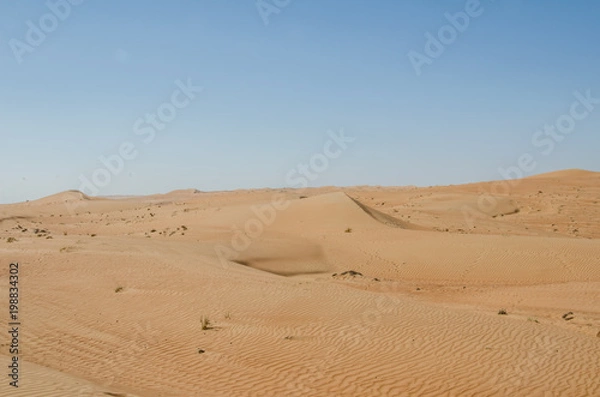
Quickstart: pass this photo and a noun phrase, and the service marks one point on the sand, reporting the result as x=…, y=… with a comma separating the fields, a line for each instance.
x=113, y=291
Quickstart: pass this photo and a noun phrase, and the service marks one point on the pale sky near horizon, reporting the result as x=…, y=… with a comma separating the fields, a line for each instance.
x=81, y=80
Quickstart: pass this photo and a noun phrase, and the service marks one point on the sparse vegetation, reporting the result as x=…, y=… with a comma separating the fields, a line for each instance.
x=568, y=316
x=348, y=273
x=533, y=320
x=502, y=312
x=349, y=230
x=119, y=289
x=206, y=324
x=11, y=240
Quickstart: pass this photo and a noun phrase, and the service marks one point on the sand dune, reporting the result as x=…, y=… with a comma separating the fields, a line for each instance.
x=61, y=198
x=568, y=174
x=366, y=291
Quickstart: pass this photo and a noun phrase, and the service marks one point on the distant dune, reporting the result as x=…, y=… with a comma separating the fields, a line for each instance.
x=60, y=198
x=568, y=174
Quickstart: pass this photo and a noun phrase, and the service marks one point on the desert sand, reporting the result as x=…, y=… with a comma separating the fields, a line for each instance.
x=361, y=291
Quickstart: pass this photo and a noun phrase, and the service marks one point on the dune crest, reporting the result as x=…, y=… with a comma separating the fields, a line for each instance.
x=64, y=197
x=384, y=218
x=567, y=174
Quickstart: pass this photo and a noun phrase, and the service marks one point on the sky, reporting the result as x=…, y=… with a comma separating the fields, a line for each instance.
x=224, y=94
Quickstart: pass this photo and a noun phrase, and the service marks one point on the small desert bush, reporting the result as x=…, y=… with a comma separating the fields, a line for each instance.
x=502, y=312
x=11, y=240
x=205, y=322
x=349, y=230
x=119, y=289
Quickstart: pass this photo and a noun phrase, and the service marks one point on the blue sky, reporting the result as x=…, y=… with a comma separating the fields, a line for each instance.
x=271, y=92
